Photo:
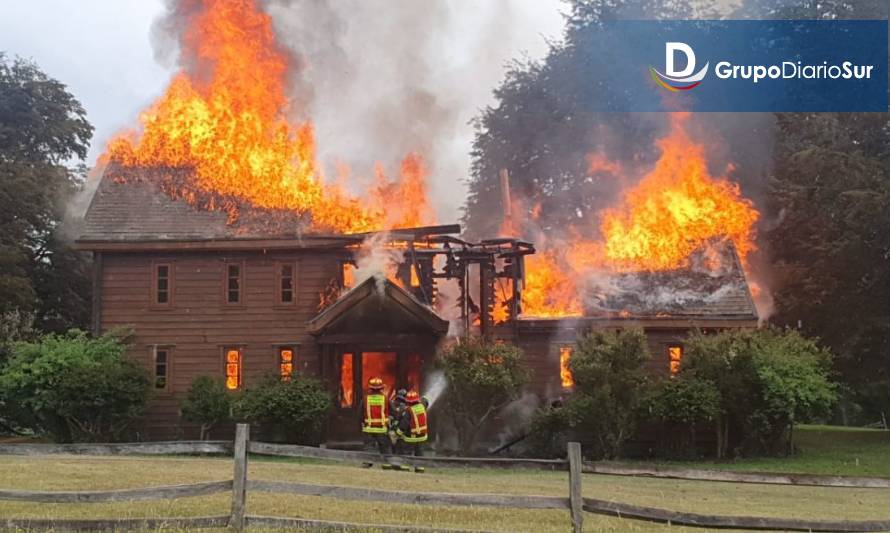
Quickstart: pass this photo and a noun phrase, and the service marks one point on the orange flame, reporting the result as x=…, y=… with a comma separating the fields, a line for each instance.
x=676, y=209
x=225, y=119
x=565, y=372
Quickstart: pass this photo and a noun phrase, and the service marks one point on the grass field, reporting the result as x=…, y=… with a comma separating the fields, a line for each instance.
x=86, y=473
x=829, y=450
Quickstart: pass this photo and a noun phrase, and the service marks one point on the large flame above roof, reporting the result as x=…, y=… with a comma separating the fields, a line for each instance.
x=676, y=209
x=225, y=118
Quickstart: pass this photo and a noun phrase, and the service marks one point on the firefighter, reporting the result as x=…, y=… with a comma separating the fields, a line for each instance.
x=412, y=428
x=375, y=422
x=396, y=407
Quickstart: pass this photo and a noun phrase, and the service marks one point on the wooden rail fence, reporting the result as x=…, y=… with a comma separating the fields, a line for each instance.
x=240, y=485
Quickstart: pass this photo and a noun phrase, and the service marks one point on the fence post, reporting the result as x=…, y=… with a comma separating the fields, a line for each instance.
x=575, y=499
x=239, y=485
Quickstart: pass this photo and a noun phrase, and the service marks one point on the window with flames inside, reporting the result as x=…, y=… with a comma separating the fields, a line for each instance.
x=286, y=363
x=565, y=370
x=233, y=368
x=675, y=356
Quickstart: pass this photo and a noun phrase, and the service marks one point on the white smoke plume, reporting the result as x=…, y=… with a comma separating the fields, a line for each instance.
x=381, y=78
x=377, y=259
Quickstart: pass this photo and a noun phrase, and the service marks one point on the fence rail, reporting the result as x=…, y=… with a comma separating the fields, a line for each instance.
x=239, y=486
x=137, y=448
x=308, y=452
x=762, y=478
x=140, y=494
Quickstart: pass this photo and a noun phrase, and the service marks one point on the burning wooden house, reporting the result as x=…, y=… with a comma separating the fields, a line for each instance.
x=218, y=239
x=206, y=296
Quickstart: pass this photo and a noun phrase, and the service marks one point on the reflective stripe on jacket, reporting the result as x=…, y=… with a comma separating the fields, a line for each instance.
x=376, y=414
x=419, y=431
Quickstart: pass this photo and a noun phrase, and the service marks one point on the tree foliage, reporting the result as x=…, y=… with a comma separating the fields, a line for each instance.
x=610, y=384
x=73, y=388
x=680, y=404
x=43, y=128
x=207, y=403
x=292, y=411
x=768, y=380
x=483, y=377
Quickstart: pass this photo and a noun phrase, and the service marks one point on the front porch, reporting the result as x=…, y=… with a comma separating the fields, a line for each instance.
x=376, y=329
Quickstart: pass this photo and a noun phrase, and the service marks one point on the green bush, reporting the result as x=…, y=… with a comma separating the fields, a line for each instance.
x=483, y=377
x=680, y=405
x=292, y=411
x=610, y=385
x=769, y=380
x=207, y=403
x=74, y=388
x=548, y=431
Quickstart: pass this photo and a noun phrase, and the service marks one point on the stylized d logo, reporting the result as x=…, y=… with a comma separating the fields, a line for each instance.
x=670, y=50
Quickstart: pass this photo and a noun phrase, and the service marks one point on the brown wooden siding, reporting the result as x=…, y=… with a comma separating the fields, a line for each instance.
x=198, y=324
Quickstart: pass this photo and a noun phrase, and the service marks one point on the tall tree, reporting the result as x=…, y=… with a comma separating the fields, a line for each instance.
x=544, y=125
x=830, y=236
x=43, y=132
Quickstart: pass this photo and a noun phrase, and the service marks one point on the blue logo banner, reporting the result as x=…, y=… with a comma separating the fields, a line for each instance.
x=738, y=65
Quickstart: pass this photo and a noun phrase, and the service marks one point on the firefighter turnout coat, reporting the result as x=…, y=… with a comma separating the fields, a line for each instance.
x=376, y=414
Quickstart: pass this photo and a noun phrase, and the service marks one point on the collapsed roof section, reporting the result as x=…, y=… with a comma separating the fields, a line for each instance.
x=712, y=283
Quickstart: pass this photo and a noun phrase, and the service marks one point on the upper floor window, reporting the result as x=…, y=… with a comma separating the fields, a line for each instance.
x=286, y=362
x=234, y=283
x=161, y=375
x=233, y=368
x=675, y=356
x=162, y=284
x=286, y=275
x=565, y=371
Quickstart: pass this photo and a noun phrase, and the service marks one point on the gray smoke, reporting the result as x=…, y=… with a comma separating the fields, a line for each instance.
x=381, y=78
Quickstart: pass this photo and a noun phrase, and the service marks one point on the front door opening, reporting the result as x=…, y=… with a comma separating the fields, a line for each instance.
x=383, y=365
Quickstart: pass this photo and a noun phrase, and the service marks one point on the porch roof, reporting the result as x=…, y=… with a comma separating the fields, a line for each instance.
x=377, y=306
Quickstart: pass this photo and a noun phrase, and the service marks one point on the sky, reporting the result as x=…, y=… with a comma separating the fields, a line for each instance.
x=103, y=51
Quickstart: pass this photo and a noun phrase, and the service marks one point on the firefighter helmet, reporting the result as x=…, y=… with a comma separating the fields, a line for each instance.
x=412, y=397
x=375, y=383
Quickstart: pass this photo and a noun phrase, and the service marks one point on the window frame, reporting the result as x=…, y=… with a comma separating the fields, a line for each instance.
x=559, y=351
x=225, y=284
x=356, y=400
x=224, y=352
x=155, y=265
x=168, y=367
x=279, y=363
x=279, y=278
x=668, y=349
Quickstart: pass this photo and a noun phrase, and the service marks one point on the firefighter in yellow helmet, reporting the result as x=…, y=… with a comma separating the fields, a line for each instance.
x=413, y=427
x=375, y=417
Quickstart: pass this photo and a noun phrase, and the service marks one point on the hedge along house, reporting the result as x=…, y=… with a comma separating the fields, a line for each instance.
x=206, y=295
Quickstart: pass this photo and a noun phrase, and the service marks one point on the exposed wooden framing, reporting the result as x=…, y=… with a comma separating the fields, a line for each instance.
x=809, y=480
x=575, y=498
x=153, y=493
x=138, y=448
x=414, y=498
x=675, y=518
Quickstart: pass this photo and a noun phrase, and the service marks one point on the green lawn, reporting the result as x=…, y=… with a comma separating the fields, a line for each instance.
x=829, y=450
x=92, y=473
